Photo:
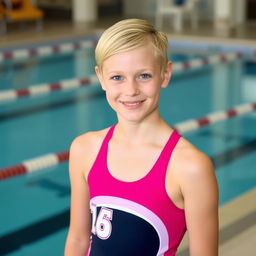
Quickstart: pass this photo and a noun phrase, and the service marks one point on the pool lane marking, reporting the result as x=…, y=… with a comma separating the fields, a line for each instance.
x=34, y=164
x=214, y=117
x=70, y=84
x=40, y=89
x=14, y=240
x=53, y=159
x=46, y=50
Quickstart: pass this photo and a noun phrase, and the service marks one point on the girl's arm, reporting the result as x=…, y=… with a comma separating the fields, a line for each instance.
x=200, y=192
x=78, y=238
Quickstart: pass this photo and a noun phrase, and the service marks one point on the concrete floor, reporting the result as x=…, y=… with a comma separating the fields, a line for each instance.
x=242, y=244
x=237, y=227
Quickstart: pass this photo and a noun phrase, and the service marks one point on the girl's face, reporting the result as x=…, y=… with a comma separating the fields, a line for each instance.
x=132, y=81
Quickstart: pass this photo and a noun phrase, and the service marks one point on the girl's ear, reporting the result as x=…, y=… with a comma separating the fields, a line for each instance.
x=100, y=77
x=167, y=75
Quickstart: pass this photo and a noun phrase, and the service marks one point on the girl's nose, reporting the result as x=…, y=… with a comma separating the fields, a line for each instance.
x=131, y=88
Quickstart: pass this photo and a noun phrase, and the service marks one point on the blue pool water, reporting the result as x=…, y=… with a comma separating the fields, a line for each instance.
x=34, y=208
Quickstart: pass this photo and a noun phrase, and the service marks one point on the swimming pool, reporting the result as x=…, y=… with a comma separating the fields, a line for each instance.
x=35, y=207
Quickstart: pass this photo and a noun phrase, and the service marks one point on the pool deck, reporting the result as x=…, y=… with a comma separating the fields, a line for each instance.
x=237, y=227
x=63, y=29
x=238, y=217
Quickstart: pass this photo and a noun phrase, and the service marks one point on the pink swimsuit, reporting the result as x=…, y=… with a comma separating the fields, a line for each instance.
x=133, y=218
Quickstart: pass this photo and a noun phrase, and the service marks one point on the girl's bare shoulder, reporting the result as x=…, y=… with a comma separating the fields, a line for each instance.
x=191, y=161
x=84, y=148
x=89, y=140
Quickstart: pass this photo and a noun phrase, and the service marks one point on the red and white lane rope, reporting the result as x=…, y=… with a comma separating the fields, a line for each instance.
x=33, y=165
x=49, y=160
x=41, y=51
x=214, y=117
x=40, y=89
x=69, y=84
x=197, y=63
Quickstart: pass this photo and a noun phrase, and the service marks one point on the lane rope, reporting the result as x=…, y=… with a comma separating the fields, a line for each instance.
x=41, y=89
x=70, y=84
x=61, y=47
x=49, y=160
x=214, y=117
x=43, y=51
x=34, y=164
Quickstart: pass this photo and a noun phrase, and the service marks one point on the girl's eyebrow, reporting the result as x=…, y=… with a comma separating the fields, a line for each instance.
x=114, y=72
x=137, y=71
x=109, y=72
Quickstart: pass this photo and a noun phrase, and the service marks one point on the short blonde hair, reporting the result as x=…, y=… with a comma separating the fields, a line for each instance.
x=130, y=34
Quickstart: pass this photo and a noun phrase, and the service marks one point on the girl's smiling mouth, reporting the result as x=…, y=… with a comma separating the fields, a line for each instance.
x=132, y=104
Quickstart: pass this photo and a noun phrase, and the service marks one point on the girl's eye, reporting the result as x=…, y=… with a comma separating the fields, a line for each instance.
x=145, y=76
x=116, y=78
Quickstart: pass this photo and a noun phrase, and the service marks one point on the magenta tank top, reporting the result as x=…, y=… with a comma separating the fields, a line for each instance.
x=133, y=218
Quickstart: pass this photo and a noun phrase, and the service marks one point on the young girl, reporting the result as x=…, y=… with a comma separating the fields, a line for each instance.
x=137, y=186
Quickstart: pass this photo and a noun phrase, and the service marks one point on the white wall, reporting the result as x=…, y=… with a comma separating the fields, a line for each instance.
x=84, y=10
x=240, y=11
x=223, y=9
x=231, y=11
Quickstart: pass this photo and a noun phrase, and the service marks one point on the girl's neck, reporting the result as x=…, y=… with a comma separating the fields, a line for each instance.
x=141, y=132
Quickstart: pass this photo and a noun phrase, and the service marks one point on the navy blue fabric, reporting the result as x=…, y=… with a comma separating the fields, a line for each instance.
x=130, y=236
x=179, y=2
